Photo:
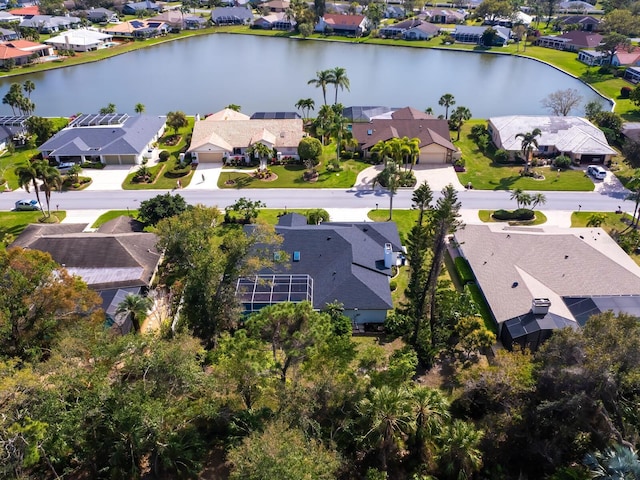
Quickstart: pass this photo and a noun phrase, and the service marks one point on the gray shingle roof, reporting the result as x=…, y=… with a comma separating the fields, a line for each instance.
x=129, y=138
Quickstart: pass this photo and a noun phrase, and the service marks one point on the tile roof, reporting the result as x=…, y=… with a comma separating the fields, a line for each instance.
x=343, y=20
x=580, y=38
x=129, y=138
x=429, y=130
x=511, y=270
x=32, y=10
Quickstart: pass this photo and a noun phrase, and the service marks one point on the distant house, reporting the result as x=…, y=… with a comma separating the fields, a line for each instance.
x=435, y=143
x=411, y=29
x=112, y=139
x=230, y=134
x=394, y=11
x=348, y=263
x=134, y=8
x=101, y=15
x=575, y=137
x=632, y=74
x=571, y=41
x=178, y=20
x=9, y=17
x=438, y=15
x=12, y=129
x=231, y=16
x=347, y=25
x=585, y=23
x=118, y=259
x=21, y=52
x=530, y=295
x=49, y=23
x=7, y=35
x=25, y=11
x=275, y=21
x=138, y=29
x=473, y=34
x=277, y=6
x=626, y=57
x=576, y=6
x=593, y=57
x=364, y=113
x=275, y=115
x=80, y=40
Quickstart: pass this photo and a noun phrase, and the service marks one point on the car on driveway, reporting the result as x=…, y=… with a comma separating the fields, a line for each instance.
x=64, y=166
x=28, y=205
x=597, y=172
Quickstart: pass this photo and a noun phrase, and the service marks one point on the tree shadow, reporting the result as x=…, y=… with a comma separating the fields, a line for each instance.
x=506, y=183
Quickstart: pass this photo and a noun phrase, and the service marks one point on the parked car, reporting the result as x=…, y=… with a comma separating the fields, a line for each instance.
x=64, y=166
x=597, y=172
x=28, y=205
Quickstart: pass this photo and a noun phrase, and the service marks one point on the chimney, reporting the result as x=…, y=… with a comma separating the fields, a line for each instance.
x=540, y=306
x=388, y=255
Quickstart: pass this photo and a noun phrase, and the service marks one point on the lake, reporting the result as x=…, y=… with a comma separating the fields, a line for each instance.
x=204, y=74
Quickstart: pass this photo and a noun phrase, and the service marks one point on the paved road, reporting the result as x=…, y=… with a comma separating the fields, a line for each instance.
x=326, y=198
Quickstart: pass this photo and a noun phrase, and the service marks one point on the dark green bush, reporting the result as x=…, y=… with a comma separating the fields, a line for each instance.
x=501, y=156
x=625, y=92
x=518, y=214
x=164, y=156
x=464, y=270
x=562, y=162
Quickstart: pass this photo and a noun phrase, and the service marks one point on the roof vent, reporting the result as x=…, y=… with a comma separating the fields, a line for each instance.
x=369, y=132
x=540, y=306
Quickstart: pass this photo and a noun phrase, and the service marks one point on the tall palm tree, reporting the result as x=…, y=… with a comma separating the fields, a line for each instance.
x=529, y=141
x=522, y=198
x=390, y=177
x=538, y=199
x=137, y=307
x=447, y=100
x=634, y=186
x=388, y=411
x=51, y=179
x=460, y=455
x=384, y=149
x=431, y=411
x=411, y=147
x=28, y=177
x=458, y=117
x=305, y=105
x=139, y=108
x=263, y=152
x=28, y=87
x=323, y=78
x=340, y=80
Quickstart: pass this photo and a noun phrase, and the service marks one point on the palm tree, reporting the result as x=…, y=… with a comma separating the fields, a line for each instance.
x=262, y=152
x=51, y=179
x=596, y=220
x=538, y=199
x=323, y=78
x=384, y=149
x=431, y=411
x=340, y=80
x=428, y=111
x=390, y=178
x=634, y=186
x=410, y=148
x=447, y=100
x=136, y=306
x=529, y=141
x=460, y=455
x=388, y=411
x=139, y=108
x=615, y=463
x=339, y=131
x=458, y=117
x=522, y=198
x=234, y=107
x=110, y=108
x=28, y=87
x=28, y=177
x=305, y=105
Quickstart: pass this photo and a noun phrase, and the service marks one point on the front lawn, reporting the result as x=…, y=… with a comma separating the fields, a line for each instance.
x=485, y=174
x=13, y=223
x=290, y=176
x=10, y=161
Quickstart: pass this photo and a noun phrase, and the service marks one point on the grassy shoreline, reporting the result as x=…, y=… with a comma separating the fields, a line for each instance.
x=566, y=62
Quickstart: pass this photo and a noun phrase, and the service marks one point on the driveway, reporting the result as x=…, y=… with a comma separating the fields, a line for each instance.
x=205, y=177
x=110, y=177
x=610, y=186
x=437, y=176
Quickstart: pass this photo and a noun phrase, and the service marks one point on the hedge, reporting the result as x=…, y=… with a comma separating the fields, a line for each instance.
x=465, y=274
x=518, y=214
x=483, y=308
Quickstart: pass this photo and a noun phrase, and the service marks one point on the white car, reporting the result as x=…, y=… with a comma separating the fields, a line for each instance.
x=597, y=172
x=28, y=205
x=65, y=166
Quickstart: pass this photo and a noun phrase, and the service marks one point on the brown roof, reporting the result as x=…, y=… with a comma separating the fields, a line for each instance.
x=102, y=260
x=410, y=113
x=344, y=20
x=583, y=39
x=429, y=130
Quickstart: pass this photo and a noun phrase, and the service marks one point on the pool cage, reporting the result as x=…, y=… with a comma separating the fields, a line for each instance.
x=259, y=291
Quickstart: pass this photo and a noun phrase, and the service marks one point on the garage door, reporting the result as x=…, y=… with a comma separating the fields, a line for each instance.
x=433, y=158
x=210, y=157
x=111, y=160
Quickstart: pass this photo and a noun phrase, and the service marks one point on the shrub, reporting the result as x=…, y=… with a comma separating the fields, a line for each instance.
x=397, y=324
x=478, y=130
x=393, y=285
x=94, y=165
x=625, y=92
x=346, y=155
x=464, y=270
x=562, y=162
x=521, y=214
x=501, y=156
x=315, y=216
x=164, y=156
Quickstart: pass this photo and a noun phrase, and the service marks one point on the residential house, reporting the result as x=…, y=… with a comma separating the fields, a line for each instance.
x=275, y=21
x=21, y=52
x=631, y=130
x=112, y=139
x=101, y=15
x=433, y=133
x=363, y=113
x=439, y=15
x=229, y=134
x=593, y=57
x=394, y=11
x=632, y=74
x=117, y=259
x=274, y=115
x=138, y=29
x=7, y=35
x=277, y=6
x=473, y=34
x=231, y=16
x=576, y=6
x=586, y=23
x=571, y=41
x=50, y=23
x=575, y=137
x=13, y=129
x=347, y=25
x=25, y=11
x=412, y=29
x=178, y=20
x=349, y=263
x=80, y=40
x=626, y=57
x=582, y=272
x=135, y=8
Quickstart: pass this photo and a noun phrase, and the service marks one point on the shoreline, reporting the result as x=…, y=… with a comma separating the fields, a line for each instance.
x=210, y=31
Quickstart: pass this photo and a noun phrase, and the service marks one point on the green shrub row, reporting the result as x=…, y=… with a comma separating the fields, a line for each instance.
x=465, y=274
x=518, y=214
x=483, y=308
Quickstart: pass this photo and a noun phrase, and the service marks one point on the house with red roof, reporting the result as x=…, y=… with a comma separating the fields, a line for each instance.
x=22, y=51
x=348, y=25
x=626, y=57
x=25, y=11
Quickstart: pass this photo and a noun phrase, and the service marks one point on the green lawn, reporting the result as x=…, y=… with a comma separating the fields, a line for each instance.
x=162, y=171
x=540, y=218
x=290, y=176
x=111, y=214
x=485, y=174
x=612, y=221
x=13, y=223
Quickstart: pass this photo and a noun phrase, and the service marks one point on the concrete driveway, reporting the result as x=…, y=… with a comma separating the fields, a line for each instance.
x=110, y=177
x=437, y=176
